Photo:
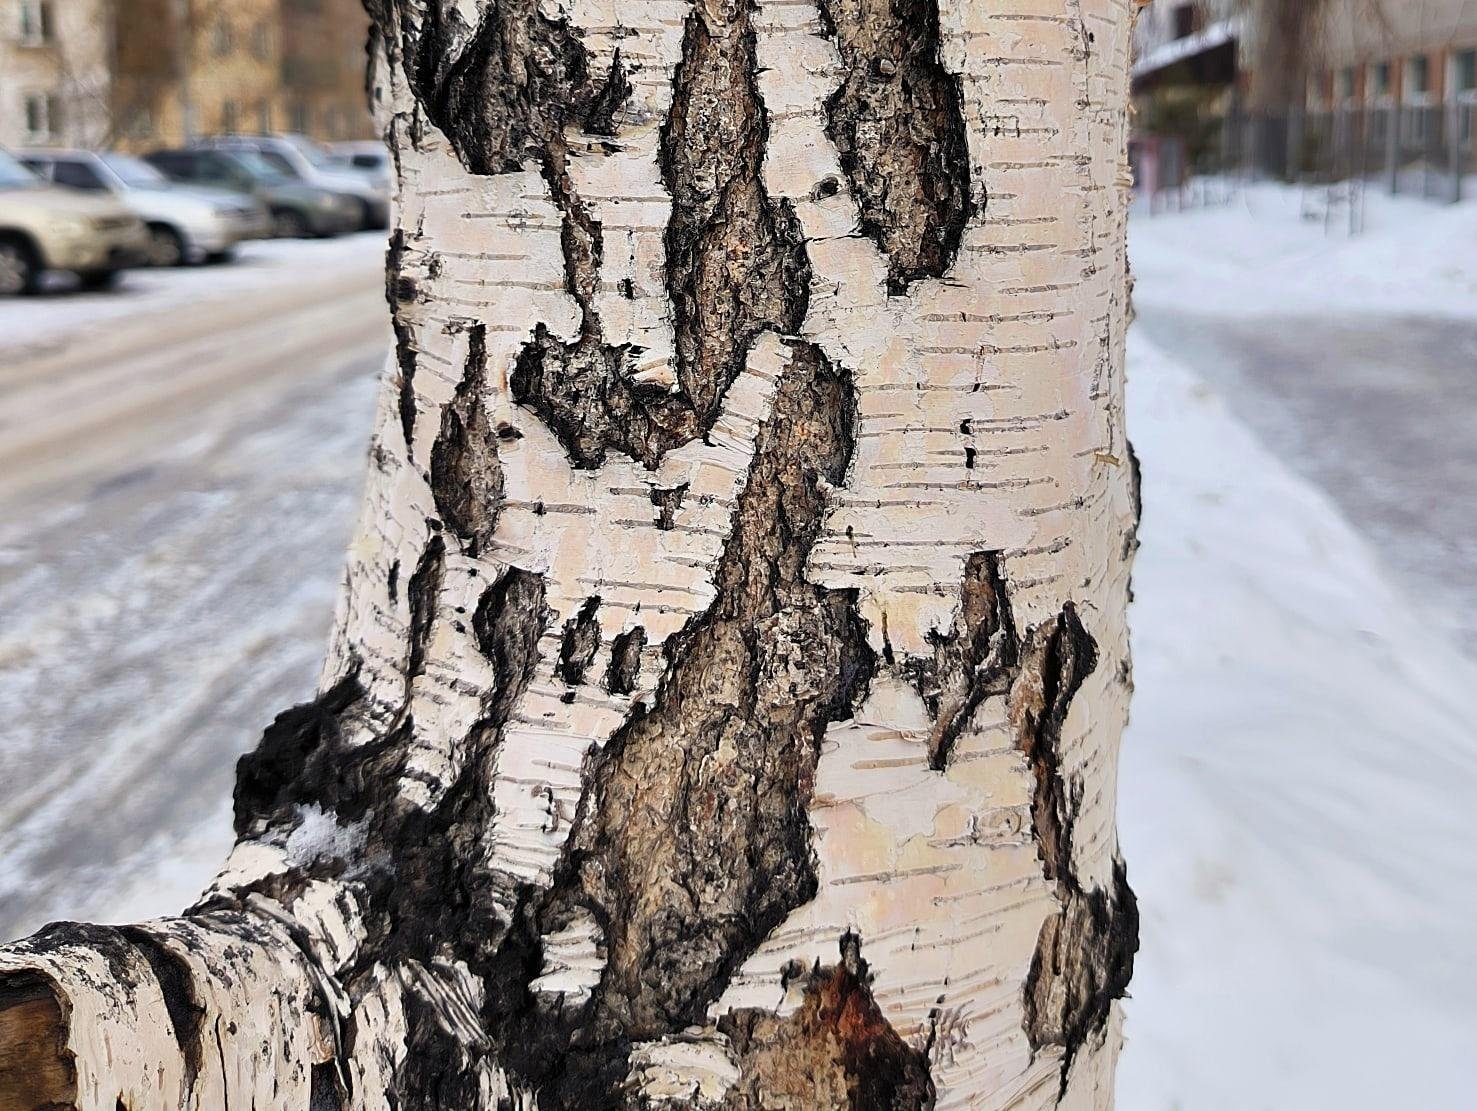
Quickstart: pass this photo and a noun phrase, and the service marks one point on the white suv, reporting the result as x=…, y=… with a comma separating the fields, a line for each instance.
x=44, y=228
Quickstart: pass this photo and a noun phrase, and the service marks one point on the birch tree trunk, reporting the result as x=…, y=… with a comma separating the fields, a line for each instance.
x=724, y=701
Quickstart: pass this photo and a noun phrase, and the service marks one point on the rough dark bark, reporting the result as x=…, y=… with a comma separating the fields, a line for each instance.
x=1084, y=956
x=736, y=265
x=898, y=122
x=466, y=475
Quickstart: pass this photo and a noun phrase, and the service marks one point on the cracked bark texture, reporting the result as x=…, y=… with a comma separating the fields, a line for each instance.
x=723, y=704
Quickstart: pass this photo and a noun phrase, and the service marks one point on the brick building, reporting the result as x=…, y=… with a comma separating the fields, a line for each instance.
x=143, y=73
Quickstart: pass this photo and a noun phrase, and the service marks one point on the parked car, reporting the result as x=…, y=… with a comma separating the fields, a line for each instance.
x=304, y=160
x=45, y=228
x=297, y=209
x=185, y=225
x=366, y=157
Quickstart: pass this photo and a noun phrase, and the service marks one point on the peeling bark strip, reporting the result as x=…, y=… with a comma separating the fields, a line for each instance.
x=836, y=1052
x=466, y=476
x=898, y=122
x=1084, y=956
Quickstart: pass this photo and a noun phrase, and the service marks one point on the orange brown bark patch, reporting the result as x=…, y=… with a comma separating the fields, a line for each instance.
x=835, y=1051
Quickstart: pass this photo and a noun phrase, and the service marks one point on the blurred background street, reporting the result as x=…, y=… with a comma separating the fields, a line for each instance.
x=179, y=468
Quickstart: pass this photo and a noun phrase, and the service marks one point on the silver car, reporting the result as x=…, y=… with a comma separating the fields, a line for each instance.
x=185, y=225
x=301, y=159
x=368, y=157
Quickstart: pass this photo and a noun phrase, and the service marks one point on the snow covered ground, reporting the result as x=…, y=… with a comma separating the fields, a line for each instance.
x=179, y=468
x=1296, y=795
x=1299, y=782
x=1269, y=250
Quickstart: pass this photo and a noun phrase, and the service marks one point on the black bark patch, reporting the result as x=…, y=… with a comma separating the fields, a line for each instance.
x=736, y=265
x=667, y=503
x=510, y=645
x=272, y=778
x=502, y=91
x=405, y=360
x=581, y=642
x=1135, y=483
x=836, y=1052
x=1084, y=953
x=421, y=594
x=1083, y=962
x=177, y=985
x=625, y=661
x=898, y=123
x=466, y=475
x=693, y=839
x=599, y=116
x=973, y=661
x=395, y=296
x=736, y=261
x=325, y=1090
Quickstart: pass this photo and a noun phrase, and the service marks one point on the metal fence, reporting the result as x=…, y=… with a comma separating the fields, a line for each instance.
x=1426, y=150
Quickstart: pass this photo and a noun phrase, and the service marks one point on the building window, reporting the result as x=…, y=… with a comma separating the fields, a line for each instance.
x=221, y=42
x=1186, y=20
x=261, y=42
x=35, y=22
x=263, y=116
x=1379, y=81
x=1464, y=74
x=300, y=117
x=230, y=115
x=1418, y=79
x=43, y=117
x=1344, y=85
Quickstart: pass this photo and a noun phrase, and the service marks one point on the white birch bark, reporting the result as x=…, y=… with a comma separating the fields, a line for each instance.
x=724, y=702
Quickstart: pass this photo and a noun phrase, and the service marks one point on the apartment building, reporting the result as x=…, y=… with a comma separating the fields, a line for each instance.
x=1409, y=55
x=54, y=72
x=138, y=74
x=323, y=63
x=186, y=68
x=1338, y=53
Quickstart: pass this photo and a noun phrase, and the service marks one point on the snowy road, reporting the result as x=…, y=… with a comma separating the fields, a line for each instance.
x=177, y=486
x=1297, y=783
x=1380, y=410
x=1352, y=359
